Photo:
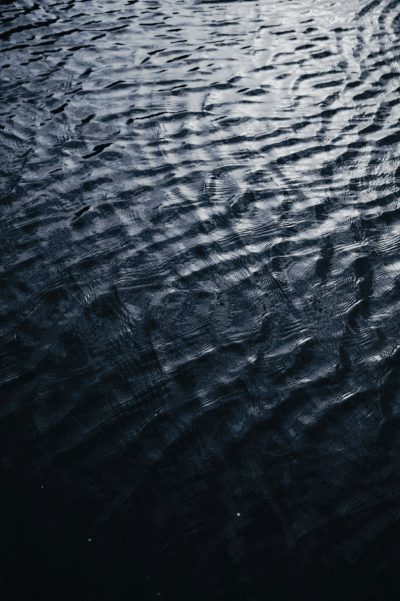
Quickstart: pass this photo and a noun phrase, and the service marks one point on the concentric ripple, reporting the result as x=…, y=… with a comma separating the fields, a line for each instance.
x=200, y=300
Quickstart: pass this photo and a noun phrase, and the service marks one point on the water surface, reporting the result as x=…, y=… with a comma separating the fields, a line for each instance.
x=200, y=295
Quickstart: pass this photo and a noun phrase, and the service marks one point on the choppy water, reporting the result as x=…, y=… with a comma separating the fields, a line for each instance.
x=200, y=295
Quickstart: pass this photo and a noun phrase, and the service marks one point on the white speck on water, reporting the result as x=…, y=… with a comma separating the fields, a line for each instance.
x=89, y=540
x=238, y=514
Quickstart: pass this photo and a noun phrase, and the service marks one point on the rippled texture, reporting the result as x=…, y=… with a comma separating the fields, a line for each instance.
x=200, y=294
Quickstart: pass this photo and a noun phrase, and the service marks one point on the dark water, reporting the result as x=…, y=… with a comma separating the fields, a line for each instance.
x=200, y=297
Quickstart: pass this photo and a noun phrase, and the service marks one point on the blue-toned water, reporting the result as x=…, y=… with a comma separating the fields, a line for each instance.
x=199, y=300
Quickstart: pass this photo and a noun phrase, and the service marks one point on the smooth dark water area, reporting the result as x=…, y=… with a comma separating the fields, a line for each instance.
x=199, y=300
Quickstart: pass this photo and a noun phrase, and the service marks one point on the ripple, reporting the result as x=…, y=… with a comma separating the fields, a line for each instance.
x=200, y=298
